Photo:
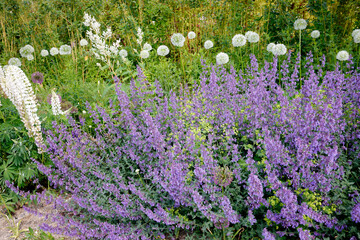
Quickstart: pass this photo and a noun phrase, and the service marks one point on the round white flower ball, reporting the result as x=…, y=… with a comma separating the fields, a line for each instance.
x=144, y=54
x=123, y=53
x=44, y=53
x=279, y=49
x=177, y=39
x=270, y=47
x=342, y=56
x=191, y=35
x=253, y=37
x=300, y=24
x=163, y=50
x=356, y=31
x=208, y=44
x=30, y=57
x=14, y=61
x=83, y=42
x=315, y=34
x=238, y=40
x=222, y=58
x=65, y=50
x=54, y=51
x=357, y=37
x=147, y=47
x=26, y=50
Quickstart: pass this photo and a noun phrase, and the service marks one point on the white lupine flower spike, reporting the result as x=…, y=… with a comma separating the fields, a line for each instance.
x=18, y=89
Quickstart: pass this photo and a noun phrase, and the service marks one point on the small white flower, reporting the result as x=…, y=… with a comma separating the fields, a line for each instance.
x=144, y=54
x=26, y=50
x=270, y=47
x=137, y=171
x=222, y=58
x=30, y=57
x=342, y=56
x=44, y=53
x=15, y=62
x=300, y=24
x=84, y=112
x=147, y=47
x=65, y=50
x=315, y=34
x=279, y=49
x=153, y=22
x=253, y=37
x=238, y=40
x=83, y=42
x=123, y=53
x=208, y=44
x=139, y=35
x=177, y=39
x=163, y=50
x=54, y=51
x=191, y=35
x=355, y=32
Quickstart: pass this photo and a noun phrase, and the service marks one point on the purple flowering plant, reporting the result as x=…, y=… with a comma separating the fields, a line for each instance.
x=234, y=150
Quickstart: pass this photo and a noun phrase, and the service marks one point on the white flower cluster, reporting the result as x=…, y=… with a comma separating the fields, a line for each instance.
x=55, y=104
x=208, y=44
x=147, y=47
x=100, y=49
x=139, y=35
x=191, y=35
x=177, y=39
x=300, y=24
x=18, y=89
x=65, y=50
x=14, y=61
x=276, y=49
x=315, y=34
x=238, y=40
x=163, y=50
x=54, y=51
x=252, y=37
x=343, y=56
x=144, y=54
x=356, y=35
x=27, y=52
x=222, y=58
x=83, y=42
x=44, y=53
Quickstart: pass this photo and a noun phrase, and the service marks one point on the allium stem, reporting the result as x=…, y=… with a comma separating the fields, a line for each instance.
x=300, y=57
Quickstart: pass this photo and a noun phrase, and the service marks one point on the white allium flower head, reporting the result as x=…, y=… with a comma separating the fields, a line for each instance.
x=270, y=47
x=147, y=47
x=123, y=53
x=300, y=24
x=30, y=57
x=15, y=62
x=83, y=42
x=208, y=44
x=65, y=50
x=356, y=31
x=342, y=56
x=163, y=50
x=191, y=35
x=137, y=171
x=253, y=37
x=238, y=40
x=279, y=49
x=26, y=50
x=44, y=53
x=144, y=54
x=222, y=58
x=177, y=39
x=357, y=37
x=54, y=51
x=315, y=34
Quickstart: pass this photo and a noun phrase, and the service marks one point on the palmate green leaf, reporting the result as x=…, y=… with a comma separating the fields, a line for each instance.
x=7, y=172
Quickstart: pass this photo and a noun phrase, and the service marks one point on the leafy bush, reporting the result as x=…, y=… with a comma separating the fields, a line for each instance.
x=238, y=149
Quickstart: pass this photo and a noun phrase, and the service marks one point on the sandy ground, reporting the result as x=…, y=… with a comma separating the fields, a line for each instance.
x=27, y=220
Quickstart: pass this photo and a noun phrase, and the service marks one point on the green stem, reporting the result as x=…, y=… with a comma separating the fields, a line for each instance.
x=182, y=65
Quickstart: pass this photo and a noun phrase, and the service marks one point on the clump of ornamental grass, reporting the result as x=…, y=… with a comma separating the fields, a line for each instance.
x=244, y=150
